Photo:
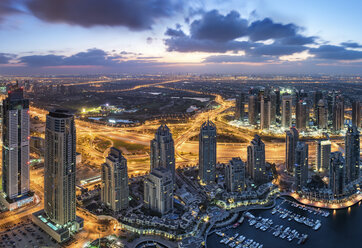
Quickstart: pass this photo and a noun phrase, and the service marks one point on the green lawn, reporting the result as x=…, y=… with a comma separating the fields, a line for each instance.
x=131, y=147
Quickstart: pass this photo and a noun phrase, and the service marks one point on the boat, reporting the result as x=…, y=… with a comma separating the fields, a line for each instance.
x=241, y=220
x=303, y=239
x=317, y=226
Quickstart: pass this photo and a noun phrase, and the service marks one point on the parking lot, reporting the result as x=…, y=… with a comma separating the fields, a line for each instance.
x=26, y=235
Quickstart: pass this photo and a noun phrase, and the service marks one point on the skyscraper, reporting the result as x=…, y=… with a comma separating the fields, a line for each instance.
x=207, y=152
x=273, y=107
x=158, y=190
x=301, y=159
x=356, y=114
x=59, y=167
x=15, y=149
x=337, y=174
x=256, y=166
x=240, y=107
x=265, y=113
x=302, y=115
x=114, y=192
x=235, y=175
x=352, y=153
x=338, y=113
x=322, y=115
x=286, y=111
x=318, y=95
x=59, y=218
x=278, y=101
x=162, y=150
x=253, y=109
x=323, y=153
x=291, y=140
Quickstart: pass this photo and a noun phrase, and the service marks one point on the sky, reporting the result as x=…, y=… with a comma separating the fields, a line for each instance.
x=173, y=36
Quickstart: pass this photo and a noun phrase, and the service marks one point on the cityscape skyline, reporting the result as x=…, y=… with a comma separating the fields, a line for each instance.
x=180, y=124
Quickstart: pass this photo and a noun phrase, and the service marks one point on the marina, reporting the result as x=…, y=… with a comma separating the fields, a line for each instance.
x=302, y=226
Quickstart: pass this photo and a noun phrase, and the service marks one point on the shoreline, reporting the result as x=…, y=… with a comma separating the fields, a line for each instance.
x=323, y=205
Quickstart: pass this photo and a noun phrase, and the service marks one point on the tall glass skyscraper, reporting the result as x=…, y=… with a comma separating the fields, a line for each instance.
x=163, y=150
x=256, y=166
x=337, y=172
x=291, y=140
x=338, y=113
x=59, y=218
x=15, y=150
x=207, y=152
x=59, y=167
x=301, y=165
x=302, y=115
x=115, y=191
x=158, y=191
x=352, y=153
x=286, y=111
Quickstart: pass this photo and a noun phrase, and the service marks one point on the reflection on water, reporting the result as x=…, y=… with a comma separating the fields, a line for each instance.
x=332, y=234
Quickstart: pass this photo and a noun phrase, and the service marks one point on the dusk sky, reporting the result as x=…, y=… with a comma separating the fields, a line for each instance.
x=151, y=36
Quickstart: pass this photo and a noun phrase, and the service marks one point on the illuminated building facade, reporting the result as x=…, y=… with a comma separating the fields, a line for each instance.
x=207, y=152
x=256, y=166
x=291, y=140
x=235, y=175
x=115, y=191
x=162, y=150
x=352, y=153
x=158, y=191
x=15, y=149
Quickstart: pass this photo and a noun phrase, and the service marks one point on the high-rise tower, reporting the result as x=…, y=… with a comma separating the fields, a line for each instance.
x=291, y=140
x=253, y=109
x=322, y=115
x=235, y=175
x=115, y=181
x=338, y=113
x=207, y=152
x=352, y=153
x=301, y=164
x=240, y=107
x=356, y=114
x=15, y=149
x=286, y=111
x=163, y=150
x=302, y=115
x=337, y=174
x=59, y=218
x=256, y=166
x=323, y=153
x=265, y=113
x=158, y=190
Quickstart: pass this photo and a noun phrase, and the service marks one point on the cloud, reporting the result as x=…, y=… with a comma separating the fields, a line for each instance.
x=175, y=32
x=335, y=53
x=217, y=27
x=298, y=40
x=7, y=7
x=5, y=58
x=217, y=33
x=92, y=57
x=188, y=44
x=267, y=29
x=136, y=14
x=351, y=44
x=276, y=49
